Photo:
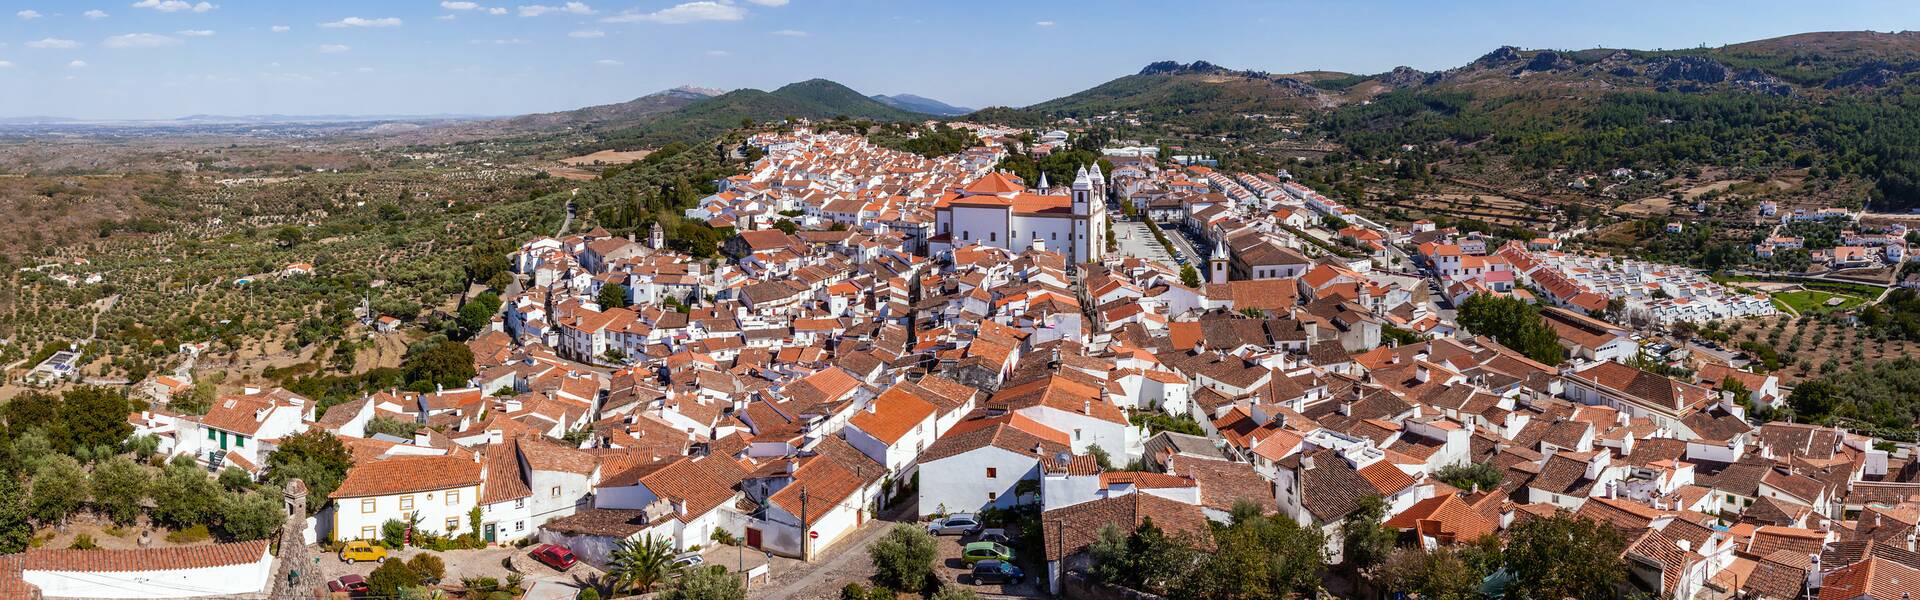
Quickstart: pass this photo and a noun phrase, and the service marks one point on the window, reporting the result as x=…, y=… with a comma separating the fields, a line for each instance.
x=239, y=441
x=992, y=472
x=966, y=234
x=453, y=497
x=211, y=435
x=1076, y=434
x=556, y=491
x=991, y=496
x=406, y=503
x=519, y=525
x=1056, y=235
x=993, y=236
x=453, y=523
x=521, y=503
x=366, y=533
x=366, y=506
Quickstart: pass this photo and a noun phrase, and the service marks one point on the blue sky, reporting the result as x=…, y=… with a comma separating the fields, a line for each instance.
x=166, y=58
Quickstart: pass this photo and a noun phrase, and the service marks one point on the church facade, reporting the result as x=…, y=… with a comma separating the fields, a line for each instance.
x=998, y=210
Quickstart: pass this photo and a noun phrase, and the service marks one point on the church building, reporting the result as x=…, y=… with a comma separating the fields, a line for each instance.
x=999, y=210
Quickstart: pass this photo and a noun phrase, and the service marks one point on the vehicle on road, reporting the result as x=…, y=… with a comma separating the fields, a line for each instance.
x=689, y=560
x=996, y=535
x=960, y=524
x=997, y=571
x=362, y=551
x=979, y=551
x=352, y=584
x=557, y=557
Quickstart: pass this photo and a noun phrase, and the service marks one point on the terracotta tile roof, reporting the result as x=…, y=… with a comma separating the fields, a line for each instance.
x=504, y=481
x=1768, y=539
x=1875, y=578
x=1779, y=576
x=997, y=433
x=145, y=559
x=828, y=485
x=1445, y=517
x=404, y=474
x=700, y=483
x=1225, y=483
x=1069, y=530
x=892, y=415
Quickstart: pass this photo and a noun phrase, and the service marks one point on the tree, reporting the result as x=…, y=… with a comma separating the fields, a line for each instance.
x=1365, y=541
x=184, y=496
x=1538, y=553
x=59, y=486
x=195, y=401
x=316, y=458
x=612, y=296
x=393, y=427
x=15, y=531
x=707, y=583
x=119, y=488
x=390, y=578
x=1258, y=557
x=1100, y=457
x=641, y=563
x=248, y=516
x=233, y=479
x=437, y=363
x=95, y=416
x=1189, y=276
x=1515, y=324
x=1471, y=476
x=1147, y=559
x=903, y=558
x=1438, y=575
x=477, y=313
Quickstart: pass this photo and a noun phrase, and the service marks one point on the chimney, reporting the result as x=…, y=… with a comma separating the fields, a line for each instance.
x=420, y=437
x=1306, y=463
x=495, y=436
x=873, y=408
x=1420, y=374
x=1086, y=406
x=1685, y=545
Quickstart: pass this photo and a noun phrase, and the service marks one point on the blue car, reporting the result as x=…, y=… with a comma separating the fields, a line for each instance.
x=996, y=571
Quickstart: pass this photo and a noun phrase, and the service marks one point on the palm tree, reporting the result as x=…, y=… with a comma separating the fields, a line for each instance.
x=641, y=564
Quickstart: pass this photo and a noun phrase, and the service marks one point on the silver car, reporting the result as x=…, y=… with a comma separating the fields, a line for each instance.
x=960, y=524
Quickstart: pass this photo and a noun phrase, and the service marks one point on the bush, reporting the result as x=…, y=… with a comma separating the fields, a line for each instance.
x=428, y=566
x=196, y=533
x=83, y=541
x=725, y=537
x=903, y=558
x=955, y=593
x=393, y=533
x=587, y=594
x=391, y=577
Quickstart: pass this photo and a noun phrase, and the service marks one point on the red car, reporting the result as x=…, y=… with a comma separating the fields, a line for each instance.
x=557, y=557
x=352, y=584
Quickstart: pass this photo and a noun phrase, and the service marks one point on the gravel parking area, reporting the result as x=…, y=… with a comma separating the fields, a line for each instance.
x=954, y=571
x=497, y=563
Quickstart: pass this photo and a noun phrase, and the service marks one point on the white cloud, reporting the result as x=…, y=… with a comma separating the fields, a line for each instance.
x=78, y=64
x=281, y=29
x=175, y=5
x=608, y=62
x=363, y=70
x=789, y=32
x=334, y=48
x=502, y=42
x=687, y=12
x=769, y=2
x=587, y=34
x=196, y=32
x=95, y=14
x=6, y=64
x=718, y=53
x=140, y=40
x=460, y=5
x=359, y=22
x=445, y=17
x=53, y=44
x=1043, y=23
x=497, y=10
x=28, y=15
x=571, y=8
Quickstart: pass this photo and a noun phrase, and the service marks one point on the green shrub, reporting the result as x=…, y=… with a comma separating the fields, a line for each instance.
x=196, y=533
x=428, y=566
x=83, y=541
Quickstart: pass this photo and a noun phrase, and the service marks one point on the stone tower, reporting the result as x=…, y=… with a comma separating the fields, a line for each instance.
x=295, y=574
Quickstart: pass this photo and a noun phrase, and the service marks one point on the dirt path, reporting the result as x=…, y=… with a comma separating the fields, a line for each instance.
x=849, y=563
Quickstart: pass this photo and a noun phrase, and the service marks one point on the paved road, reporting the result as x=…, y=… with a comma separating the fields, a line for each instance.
x=1136, y=240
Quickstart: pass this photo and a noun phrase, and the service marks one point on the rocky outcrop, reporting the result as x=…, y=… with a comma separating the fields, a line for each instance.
x=1546, y=60
x=1401, y=77
x=1499, y=55
x=1874, y=74
x=1762, y=82
x=1687, y=68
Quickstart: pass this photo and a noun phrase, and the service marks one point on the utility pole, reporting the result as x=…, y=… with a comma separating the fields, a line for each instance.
x=806, y=535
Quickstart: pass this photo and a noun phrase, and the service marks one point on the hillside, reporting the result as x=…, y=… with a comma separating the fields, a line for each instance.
x=1170, y=88
x=636, y=109
x=921, y=104
x=705, y=119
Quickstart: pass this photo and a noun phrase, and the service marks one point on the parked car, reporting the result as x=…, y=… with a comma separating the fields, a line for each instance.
x=352, y=584
x=996, y=571
x=362, y=550
x=557, y=557
x=996, y=535
x=960, y=524
x=979, y=551
x=689, y=560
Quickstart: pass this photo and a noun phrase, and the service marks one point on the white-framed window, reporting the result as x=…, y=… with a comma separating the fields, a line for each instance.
x=366, y=505
x=519, y=525
x=520, y=503
x=556, y=491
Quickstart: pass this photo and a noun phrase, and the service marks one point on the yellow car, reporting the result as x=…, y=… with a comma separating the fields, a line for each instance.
x=359, y=550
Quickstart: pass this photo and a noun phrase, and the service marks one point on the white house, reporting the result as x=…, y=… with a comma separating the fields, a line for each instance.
x=980, y=464
x=232, y=431
x=892, y=429
x=441, y=490
x=241, y=569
